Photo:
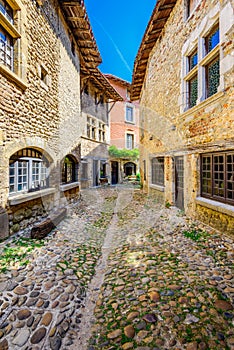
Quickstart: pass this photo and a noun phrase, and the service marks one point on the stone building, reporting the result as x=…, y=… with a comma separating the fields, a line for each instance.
x=124, y=130
x=97, y=97
x=44, y=46
x=183, y=75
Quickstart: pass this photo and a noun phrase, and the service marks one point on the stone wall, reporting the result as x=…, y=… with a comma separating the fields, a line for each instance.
x=39, y=110
x=223, y=222
x=24, y=214
x=167, y=127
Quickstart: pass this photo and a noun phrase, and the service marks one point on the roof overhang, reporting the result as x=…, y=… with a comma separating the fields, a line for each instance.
x=77, y=19
x=153, y=31
x=118, y=80
x=99, y=80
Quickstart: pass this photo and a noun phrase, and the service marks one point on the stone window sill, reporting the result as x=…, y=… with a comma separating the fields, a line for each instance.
x=12, y=76
x=25, y=197
x=217, y=206
x=67, y=187
x=203, y=104
x=157, y=187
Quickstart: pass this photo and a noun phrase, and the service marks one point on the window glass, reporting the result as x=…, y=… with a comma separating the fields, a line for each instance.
x=129, y=114
x=157, y=171
x=193, y=91
x=212, y=40
x=212, y=77
x=69, y=170
x=6, y=49
x=28, y=174
x=6, y=10
x=129, y=141
x=193, y=60
x=217, y=177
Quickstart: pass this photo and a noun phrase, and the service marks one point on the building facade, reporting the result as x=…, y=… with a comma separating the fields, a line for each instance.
x=43, y=45
x=124, y=130
x=97, y=96
x=183, y=75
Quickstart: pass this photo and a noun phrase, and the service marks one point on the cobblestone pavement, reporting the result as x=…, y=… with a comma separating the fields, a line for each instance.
x=121, y=272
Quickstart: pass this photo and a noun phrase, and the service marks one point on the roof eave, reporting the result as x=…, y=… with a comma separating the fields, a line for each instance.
x=158, y=19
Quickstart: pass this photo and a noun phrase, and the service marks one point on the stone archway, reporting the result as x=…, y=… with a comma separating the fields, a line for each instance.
x=130, y=169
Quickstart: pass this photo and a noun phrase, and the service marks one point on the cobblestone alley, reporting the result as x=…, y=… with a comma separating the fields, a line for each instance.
x=120, y=272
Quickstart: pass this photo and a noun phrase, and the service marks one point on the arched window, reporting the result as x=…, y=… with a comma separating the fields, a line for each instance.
x=69, y=170
x=28, y=171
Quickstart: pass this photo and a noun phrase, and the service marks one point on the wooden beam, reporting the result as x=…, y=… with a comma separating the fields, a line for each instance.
x=70, y=3
x=159, y=20
x=166, y=7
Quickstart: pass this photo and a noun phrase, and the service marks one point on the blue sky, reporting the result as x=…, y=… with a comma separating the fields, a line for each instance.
x=118, y=27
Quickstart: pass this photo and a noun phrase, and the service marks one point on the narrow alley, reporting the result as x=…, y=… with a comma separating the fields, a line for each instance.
x=120, y=272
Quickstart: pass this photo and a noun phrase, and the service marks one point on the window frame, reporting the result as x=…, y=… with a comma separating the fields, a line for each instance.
x=34, y=181
x=131, y=119
x=7, y=44
x=5, y=9
x=205, y=59
x=9, y=30
x=69, y=173
x=217, y=171
x=158, y=171
x=127, y=141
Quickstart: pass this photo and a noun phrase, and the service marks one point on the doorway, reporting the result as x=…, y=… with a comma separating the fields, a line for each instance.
x=179, y=182
x=114, y=173
x=95, y=173
x=129, y=169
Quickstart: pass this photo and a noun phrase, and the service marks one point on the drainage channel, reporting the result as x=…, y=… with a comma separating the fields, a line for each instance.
x=88, y=318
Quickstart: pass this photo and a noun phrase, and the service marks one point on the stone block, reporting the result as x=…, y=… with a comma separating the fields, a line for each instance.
x=42, y=229
x=4, y=224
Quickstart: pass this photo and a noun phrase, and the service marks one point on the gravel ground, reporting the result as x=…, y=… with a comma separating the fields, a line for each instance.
x=120, y=272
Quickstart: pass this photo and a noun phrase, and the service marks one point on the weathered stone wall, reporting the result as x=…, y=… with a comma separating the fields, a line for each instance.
x=45, y=113
x=24, y=214
x=223, y=222
x=167, y=128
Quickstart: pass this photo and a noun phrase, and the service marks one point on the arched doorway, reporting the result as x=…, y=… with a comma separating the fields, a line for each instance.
x=129, y=169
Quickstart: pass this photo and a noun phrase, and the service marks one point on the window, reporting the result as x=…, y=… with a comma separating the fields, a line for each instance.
x=8, y=34
x=102, y=169
x=157, y=171
x=192, y=60
x=129, y=141
x=217, y=176
x=192, y=79
x=69, y=170
x=212, y=40
x=192, y=88
x=28, y=171
x=202, y=78
x=191, y=4
x=91, y=128
x=212, y=66
x=212, y=77
x=129, y=114
x=6, y=10
x=44, y=75
x=6, y=49
x=101, y=132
